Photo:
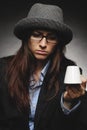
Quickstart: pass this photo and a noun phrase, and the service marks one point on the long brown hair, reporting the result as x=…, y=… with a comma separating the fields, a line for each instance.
x=19, y=72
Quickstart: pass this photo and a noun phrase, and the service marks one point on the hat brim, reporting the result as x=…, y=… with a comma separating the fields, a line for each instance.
x=23, y=27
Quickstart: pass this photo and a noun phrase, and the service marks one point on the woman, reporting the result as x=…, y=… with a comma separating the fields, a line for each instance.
x=32, y=93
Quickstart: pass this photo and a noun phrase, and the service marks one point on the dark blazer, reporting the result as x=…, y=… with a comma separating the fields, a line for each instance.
x=48, y=116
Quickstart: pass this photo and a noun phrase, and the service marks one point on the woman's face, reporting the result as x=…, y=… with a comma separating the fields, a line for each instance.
x=42, y=43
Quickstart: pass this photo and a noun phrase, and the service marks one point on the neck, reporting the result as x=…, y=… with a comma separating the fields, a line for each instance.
x=38, y=67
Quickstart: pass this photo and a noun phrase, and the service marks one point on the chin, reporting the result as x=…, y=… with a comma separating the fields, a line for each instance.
x=41, y=58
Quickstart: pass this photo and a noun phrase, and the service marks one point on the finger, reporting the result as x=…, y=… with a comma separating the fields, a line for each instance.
x=75, y=92
x=83, y=79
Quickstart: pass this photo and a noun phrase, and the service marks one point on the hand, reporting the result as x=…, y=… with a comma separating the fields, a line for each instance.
x=74, y=92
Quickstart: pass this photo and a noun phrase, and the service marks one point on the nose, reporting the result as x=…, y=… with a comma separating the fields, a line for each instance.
x=43, y=43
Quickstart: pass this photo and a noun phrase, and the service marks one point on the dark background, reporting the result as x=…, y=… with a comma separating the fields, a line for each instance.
x=10, y=9
x=75, y=14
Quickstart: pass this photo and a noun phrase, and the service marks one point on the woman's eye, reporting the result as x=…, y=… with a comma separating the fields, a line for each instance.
x=52, y=37
x=36, y=34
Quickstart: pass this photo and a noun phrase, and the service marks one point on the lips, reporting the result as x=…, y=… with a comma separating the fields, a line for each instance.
x=41, y=52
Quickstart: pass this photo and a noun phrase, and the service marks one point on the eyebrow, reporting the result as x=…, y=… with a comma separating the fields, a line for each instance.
x=40, y=31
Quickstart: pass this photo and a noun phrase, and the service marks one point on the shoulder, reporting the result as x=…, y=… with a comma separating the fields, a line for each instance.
x=3, y=63
x=63, y=65
x=5, y=60
x=66, y=62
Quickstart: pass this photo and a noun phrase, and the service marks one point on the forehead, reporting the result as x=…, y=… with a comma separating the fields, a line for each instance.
x=45, y=31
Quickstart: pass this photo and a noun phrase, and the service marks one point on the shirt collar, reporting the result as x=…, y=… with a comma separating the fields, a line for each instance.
x=34, y=84
x=44, y=70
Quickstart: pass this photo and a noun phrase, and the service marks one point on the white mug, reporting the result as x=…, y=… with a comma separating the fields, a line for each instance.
x=72, y=75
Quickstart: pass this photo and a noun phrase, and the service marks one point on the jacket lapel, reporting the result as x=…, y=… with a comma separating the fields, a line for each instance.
x=41, y=104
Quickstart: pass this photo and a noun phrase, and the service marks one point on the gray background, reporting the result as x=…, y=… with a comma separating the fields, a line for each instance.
x=75, y=14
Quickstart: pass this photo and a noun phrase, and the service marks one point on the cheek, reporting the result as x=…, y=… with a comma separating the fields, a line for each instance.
x=30, y=45
x=51, y=49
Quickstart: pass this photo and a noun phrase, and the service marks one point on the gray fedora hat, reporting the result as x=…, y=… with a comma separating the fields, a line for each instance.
x=44, y=16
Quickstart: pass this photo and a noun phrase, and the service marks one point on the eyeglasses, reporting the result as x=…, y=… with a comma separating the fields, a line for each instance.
x=38, y=36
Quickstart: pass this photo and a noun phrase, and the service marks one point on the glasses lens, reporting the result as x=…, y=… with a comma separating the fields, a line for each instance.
x=52, y=38
x=36, y=36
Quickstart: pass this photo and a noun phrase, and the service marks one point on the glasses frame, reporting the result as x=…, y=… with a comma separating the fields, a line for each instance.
x=38, y=38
